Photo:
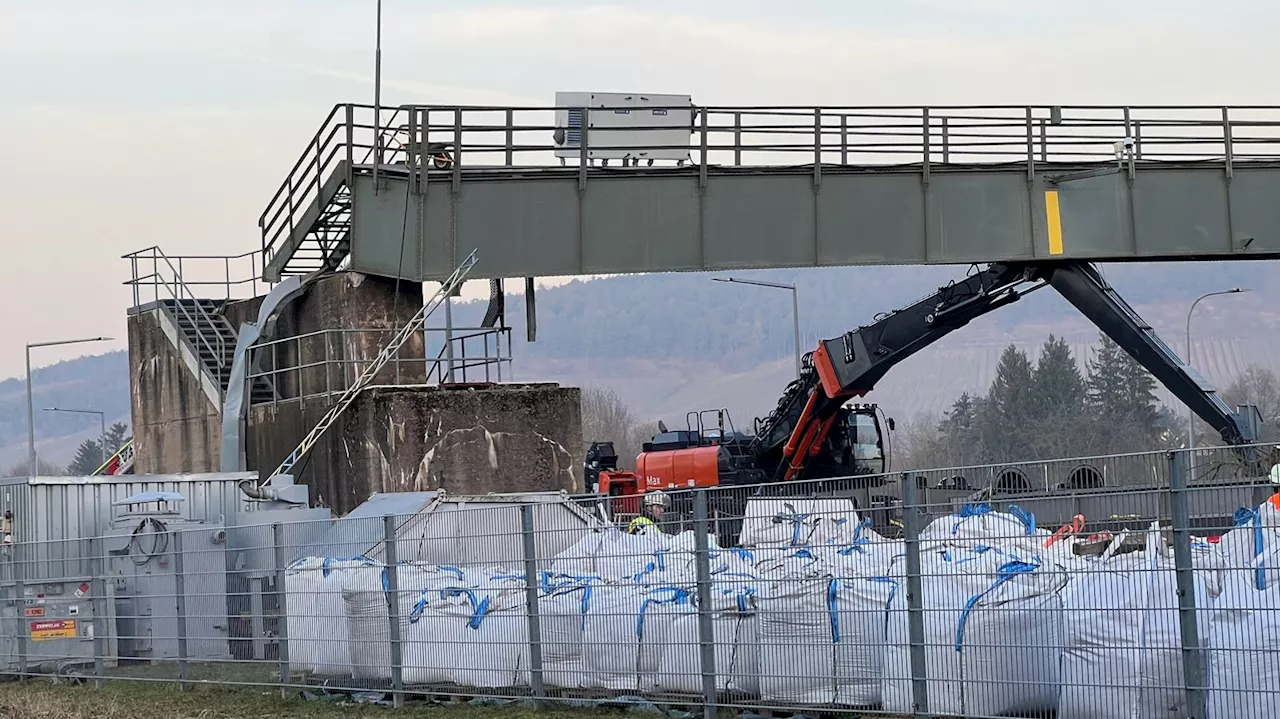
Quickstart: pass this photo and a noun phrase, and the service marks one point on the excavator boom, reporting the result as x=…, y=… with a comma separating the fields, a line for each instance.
x=849, y=366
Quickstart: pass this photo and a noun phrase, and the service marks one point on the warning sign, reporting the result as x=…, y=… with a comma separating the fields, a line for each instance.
x=55, y=629
x=33, y=611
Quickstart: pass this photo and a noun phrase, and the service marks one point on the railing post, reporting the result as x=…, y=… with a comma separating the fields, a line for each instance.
x=702, y=159
x=1192, y=658
x=925, y=123
x=1031, y=160
x=583, y=155
x=19, y=593
x=393, y=610
x=180, y=600
x=510, y=156
x=737, y=138
x=946, y=142
x=1226, y=138
x=1044, y=141
x=351, y=144
x=817, y=147
x=282, y=610
x=706, y=631
x=457, y=150
x=911, y=525
x=844, y=139
x=1137, y=138
x=531, y=586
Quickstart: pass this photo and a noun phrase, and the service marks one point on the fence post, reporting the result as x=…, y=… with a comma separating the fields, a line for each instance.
x=706, y=632
x=911, y=522
x=180, y=597
x=531, y=585
x=282, y=613
x=98, y=599
x=20, y=596
x=1192, y=658
x=393, y=610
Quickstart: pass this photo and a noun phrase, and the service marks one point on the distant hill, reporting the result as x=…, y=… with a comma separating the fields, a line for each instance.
x=96, y=382
x=677, y=342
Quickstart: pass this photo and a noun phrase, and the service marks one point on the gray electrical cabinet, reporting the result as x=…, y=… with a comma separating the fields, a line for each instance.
x=55, y=624
x=169, y=578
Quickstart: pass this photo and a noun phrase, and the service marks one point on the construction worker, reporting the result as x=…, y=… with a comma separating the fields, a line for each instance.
x=1275, y=478
x=654, y=505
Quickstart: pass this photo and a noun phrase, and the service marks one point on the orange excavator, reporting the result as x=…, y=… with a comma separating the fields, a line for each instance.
x=814, y=433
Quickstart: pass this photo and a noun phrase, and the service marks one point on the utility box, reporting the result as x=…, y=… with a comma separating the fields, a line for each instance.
x=624, y=126
x=55, y=624
x=169, y=576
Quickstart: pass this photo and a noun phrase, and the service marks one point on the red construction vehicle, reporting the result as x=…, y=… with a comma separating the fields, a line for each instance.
x=814, y=433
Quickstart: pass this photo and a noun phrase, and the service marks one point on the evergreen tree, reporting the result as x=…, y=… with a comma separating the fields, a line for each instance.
x=1121, y=395
x=88, y=458
x=1007, y=409
x=960, y=431
x=1057, y=387
x=116, y=436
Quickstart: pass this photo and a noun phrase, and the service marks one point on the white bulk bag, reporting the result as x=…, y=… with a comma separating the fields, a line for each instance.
x=580, y=557
x=1123, y=657
x=977, y=525
x=624, y=633
x=795, y=522
x=623, y=557
x=1244, y=625
x=822, y=640
x=562, y=615
x=734, y=628
x=364, y=599
x=472, y=637
x=316, y=617
x=993, y=636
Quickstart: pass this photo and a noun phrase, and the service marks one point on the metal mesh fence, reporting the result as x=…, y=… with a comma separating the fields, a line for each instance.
x=1156, y=600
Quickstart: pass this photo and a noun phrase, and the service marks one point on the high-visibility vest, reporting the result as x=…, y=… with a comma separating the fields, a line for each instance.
x=640, y=523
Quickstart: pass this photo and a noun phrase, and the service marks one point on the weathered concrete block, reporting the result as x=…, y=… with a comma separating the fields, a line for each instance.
x=505, y=438
x=175, y=425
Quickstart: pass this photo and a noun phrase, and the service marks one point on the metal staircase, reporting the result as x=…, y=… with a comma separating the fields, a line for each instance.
x=213, y=339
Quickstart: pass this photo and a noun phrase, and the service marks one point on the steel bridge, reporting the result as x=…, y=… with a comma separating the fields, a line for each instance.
x=412, y=191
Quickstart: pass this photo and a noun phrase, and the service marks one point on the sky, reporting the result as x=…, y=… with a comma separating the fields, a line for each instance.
x=137, y=123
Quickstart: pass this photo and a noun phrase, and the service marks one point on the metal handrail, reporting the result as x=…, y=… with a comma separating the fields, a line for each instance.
x=333, y=370
x=165, y=273
x=943, y=138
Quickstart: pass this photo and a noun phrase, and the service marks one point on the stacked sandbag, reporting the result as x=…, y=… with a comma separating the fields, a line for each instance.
x=624, y=635
x=734, y=628
x=821, y=636
x=472, y=632
x=1244, y=624
x=1123, y=657
x=992, y=634
x=316, y=619
x=365, y=602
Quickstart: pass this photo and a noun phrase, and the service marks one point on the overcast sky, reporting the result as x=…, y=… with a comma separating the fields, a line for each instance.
x=132, y=123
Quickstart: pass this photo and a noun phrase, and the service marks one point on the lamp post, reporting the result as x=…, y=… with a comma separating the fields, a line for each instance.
x=31, y=412
x=102, y=419
x=795, y=307
x=1191, y=416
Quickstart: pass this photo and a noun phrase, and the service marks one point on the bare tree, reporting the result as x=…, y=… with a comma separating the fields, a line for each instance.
x=1258, y=386
x=606, y=418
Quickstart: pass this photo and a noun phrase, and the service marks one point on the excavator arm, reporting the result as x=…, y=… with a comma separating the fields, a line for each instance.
x=849, y=366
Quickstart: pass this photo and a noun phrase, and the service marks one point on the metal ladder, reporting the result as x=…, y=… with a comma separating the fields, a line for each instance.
x=411, y=328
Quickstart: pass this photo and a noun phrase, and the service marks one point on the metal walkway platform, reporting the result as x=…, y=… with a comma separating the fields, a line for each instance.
x=778, y=187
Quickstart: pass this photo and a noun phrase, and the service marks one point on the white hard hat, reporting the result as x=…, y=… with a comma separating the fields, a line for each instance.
x=656, y=497
x=1275, y=474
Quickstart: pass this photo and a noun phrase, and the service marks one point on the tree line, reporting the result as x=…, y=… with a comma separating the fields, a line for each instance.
x=1050, y=409
x=88, y=456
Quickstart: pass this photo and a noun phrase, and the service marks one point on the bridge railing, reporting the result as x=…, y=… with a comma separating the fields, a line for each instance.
x=459, y=140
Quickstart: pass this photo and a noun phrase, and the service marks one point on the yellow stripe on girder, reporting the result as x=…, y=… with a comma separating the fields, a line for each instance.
x=1053, y=214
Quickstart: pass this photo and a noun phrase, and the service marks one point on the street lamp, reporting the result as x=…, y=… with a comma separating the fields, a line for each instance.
x=102, y=419
x=795, y=306
x=31, y=412
x=1191, y=416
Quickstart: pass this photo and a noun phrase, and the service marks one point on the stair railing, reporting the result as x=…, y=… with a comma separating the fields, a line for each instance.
x=167, y=282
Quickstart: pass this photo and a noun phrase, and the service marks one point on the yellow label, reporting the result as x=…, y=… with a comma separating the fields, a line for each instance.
x=53, y=629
